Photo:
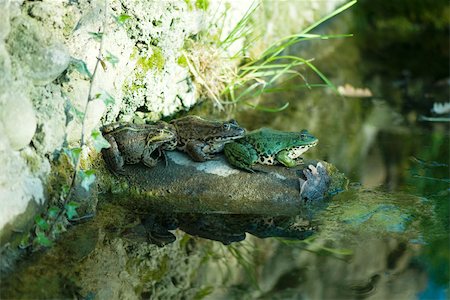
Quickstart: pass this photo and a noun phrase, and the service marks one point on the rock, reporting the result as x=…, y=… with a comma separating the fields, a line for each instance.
x=184, y=186
x=42, y=58
x=18, y=118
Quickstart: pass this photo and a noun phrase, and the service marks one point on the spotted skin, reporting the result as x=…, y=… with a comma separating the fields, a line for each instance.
x=269, y=147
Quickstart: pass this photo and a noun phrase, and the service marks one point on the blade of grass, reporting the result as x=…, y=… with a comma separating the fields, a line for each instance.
x=267, y=109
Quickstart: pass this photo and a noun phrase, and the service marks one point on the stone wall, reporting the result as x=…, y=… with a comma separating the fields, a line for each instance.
x=44, y=46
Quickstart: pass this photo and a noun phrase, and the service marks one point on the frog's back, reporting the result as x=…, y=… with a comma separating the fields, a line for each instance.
x=268, y=141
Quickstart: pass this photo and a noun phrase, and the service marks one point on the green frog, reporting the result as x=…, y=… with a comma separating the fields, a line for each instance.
x=269, y=147
x=134, y=143
x=200, y=138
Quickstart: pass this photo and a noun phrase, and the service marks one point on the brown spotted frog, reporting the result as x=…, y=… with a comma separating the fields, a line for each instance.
x=134, y=143
x=200, y=138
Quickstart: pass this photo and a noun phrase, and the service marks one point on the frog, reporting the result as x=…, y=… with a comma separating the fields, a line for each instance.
x=269, y=147
x=201, y=138
x=133, y=143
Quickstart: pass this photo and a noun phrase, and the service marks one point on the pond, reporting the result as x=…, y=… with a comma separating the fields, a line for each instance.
x=385, y=237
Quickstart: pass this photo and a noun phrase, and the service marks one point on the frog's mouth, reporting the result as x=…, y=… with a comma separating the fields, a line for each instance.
x=297, y=151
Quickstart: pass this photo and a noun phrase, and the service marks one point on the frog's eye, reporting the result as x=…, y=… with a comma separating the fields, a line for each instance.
x=303, y=136
x=233, y=121
x=226, y=126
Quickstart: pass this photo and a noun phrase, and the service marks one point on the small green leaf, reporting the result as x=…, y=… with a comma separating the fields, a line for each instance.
x=97, y=36
x=71, y=210
x=81, y=67
x=76, y=113
x=111, y=58
x=73, y=154
x=122, y=18
x=107, y=98
x=87, y=178
x=41, y=223
x=65, y=190
x=43, y=240
x=99, y=141
x=25, y=241
x=102, y=62
x=53, y=212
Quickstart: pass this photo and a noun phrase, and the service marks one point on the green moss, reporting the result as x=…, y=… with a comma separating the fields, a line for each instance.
x=189, y=4
x=199, y=4
x=156, y=61
x=182, y=61
x=202, y=4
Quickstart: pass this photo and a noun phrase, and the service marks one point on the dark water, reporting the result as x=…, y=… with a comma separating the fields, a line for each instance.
x=388, y=236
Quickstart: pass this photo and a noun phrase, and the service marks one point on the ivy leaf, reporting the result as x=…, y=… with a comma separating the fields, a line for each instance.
x=87, y=178
x=73, y=155
x=97, y=36
x=41, y=223
x=71, y=209
x=81, y=67
x=53, y=212
x=122, y=18
x=42, y=240
x=107, y=98
x=76, y=113
x=111, y=58
x=99, y=141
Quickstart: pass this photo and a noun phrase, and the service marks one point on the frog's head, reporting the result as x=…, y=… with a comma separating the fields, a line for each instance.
x=303, y=143
x=224, y=131
x=163, y=135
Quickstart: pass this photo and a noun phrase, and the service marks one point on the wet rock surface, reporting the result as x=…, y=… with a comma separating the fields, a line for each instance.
x=183, y=186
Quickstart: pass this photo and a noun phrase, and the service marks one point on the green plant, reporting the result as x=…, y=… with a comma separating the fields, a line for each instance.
x=222, y=81
x=49, y=225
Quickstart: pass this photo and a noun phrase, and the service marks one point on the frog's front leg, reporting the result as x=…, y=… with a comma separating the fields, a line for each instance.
x=147, y=158
x=283, y=157
x=195, y=151
x=240, y=155
x=112, y=156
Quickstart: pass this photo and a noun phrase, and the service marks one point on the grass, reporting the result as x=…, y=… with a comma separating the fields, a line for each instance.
x=230, y=79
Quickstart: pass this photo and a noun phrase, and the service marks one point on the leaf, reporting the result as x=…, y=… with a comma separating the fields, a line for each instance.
x=43, y=240
x=73, y=154
x=81, y=67
x=53, y=212
x=65, y=190
x=267, y=109
x=99, y=141
x=97, y=36
x=41, y=223
x=76, y=113
x=111, y=58
x=87, y=178
x=71, y=209
x=121, y=19
x=107, y=98
x=25, y=241
x=102, y=62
